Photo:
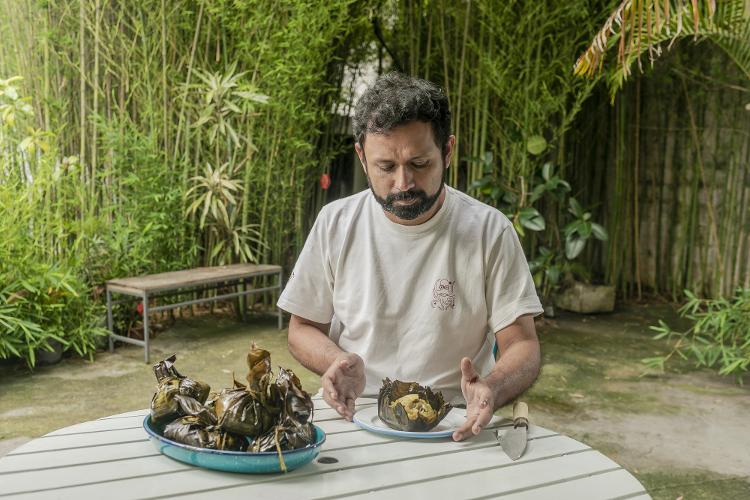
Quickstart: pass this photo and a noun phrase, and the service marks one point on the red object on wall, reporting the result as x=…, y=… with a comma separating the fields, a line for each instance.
x=325, y=181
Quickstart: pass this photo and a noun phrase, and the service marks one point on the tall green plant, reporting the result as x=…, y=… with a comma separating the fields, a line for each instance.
x=216, y=198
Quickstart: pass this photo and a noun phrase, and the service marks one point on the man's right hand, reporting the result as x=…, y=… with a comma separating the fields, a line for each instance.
x=343, y=382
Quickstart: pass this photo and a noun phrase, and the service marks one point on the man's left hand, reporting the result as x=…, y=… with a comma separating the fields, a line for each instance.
x=480, y=401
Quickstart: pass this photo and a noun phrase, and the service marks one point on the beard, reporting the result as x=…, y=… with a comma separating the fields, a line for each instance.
x=423, y=202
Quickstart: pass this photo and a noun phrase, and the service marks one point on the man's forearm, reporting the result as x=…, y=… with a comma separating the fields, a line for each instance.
x=310, y=345
x=518, y=365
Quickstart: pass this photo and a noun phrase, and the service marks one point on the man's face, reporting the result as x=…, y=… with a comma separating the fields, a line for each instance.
x=404, y=169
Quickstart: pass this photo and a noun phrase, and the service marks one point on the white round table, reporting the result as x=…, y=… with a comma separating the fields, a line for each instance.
x=112, y=458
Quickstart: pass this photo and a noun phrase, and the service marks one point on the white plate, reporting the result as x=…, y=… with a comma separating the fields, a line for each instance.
x=367, y=418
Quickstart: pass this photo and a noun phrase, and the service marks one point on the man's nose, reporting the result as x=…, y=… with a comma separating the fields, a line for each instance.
x=404, y=178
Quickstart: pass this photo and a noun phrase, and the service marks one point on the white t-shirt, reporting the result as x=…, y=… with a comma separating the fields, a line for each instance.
x=411, y=301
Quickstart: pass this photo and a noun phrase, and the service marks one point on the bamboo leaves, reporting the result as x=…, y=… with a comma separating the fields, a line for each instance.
x=116, y=82
x=37, y=138
x=718, y=338
x=11, y=105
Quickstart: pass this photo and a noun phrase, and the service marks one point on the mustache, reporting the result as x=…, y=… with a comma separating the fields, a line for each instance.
x=406, y=195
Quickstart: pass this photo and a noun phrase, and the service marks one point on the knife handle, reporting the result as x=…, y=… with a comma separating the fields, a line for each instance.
x=520, y=414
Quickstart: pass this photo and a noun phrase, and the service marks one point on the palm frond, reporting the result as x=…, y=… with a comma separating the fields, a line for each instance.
x=639, y=26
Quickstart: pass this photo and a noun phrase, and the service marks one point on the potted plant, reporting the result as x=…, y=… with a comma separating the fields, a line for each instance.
x=579, y=295
x=560, y=280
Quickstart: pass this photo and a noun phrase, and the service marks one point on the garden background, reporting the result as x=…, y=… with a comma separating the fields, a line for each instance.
x=147, y=136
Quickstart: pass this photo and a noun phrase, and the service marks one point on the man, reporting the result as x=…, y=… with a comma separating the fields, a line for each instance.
x=413, y=280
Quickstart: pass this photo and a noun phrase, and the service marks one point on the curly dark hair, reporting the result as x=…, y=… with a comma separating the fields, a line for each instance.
x=396, y=99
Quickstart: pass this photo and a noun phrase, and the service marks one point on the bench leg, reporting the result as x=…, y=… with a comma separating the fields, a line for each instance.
x=281, y=315
x=145, y=327
x=109, y=321
x=245, y=301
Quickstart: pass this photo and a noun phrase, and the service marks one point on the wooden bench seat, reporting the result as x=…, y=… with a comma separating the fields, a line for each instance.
x=153, y=286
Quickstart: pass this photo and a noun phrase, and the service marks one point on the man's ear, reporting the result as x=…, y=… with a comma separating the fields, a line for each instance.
x=449, y=148
x=361, y=156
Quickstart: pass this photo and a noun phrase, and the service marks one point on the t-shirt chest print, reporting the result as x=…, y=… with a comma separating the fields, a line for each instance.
x=443, y=296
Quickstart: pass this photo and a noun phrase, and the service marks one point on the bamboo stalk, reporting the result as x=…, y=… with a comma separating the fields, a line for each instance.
x=181, y=120
x=95, y=106
x=165, y=101
x=699, y=160
x=82, y=90
x=444, y=47
x=636, y=186
x=459, y=97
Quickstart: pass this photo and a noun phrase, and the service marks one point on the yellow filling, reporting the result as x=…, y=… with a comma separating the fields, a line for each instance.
x=415, y=407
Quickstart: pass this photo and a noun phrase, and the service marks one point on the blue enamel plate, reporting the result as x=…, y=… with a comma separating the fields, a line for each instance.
x=368, y=419
x=233, y=461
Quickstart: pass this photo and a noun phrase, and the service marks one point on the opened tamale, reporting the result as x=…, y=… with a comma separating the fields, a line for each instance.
x=408, y=406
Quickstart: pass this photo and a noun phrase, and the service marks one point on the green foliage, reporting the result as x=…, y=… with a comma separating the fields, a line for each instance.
x=506, y=67
x=11, y=105
x=226, y=103
x=141, y=230
x=580, y=229
x=536, y=145
x=550, y=267
x=46, y=303
x=217, y=197
x=550, y=264
x=546, y=270
x=53, y=256
x=637, y=28
x=516, y=203
x=136, y=106
x=718, y=338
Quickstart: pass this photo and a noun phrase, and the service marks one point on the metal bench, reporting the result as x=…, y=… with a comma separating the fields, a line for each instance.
x=160, y=285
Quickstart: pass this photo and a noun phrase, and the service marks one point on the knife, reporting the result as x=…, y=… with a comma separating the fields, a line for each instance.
x=513, y=441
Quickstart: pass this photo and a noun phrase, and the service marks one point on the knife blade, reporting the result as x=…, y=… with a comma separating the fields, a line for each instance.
x=513, y=441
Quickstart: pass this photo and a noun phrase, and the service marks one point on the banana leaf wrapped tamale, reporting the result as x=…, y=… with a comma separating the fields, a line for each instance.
x=286, y=436
x=197, y=431
x=273, y=414
x=253, y=409
x=259, y=367
x=177, y=395
x=241, y=411
x=165, y=370
x=294, y=429
x=297, y=404
x=407, y=406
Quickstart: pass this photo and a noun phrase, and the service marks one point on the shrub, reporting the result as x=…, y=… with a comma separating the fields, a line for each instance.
x=719, y=337
x=45, y=303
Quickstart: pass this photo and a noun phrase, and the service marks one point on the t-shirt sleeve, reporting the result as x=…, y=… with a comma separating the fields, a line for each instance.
x=510, y=288
x=309, y=288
